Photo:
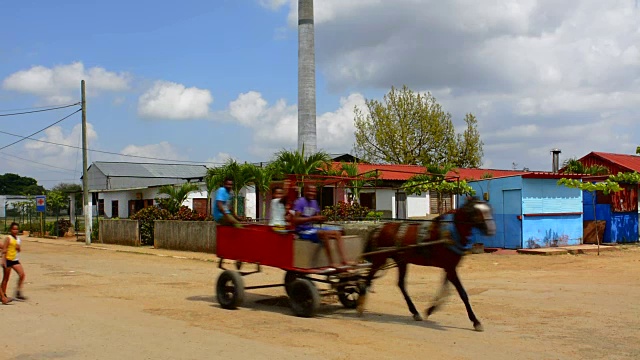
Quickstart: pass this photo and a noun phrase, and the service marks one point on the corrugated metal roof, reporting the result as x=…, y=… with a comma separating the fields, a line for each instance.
x=150, y=170
x=631, y=162
x=480, y=174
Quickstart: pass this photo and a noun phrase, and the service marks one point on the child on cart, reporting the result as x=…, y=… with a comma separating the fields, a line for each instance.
x=306, y=213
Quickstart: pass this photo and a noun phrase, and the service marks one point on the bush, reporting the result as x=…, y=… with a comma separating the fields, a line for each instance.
x=344, y=211
x=374, y=215
x=63, y=225
x=186, y=214
x=146, y=217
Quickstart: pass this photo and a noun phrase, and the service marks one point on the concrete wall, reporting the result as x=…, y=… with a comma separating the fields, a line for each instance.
x=386, y=201
x=119, y=232
x=185, y=235
x=418, y=205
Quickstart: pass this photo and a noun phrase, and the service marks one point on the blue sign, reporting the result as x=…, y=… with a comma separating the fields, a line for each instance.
x=41, y=203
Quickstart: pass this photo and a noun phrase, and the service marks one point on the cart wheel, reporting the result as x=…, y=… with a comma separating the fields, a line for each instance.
x=230, y=289
x=289, y=277
x=348, y=294
x=305, y=298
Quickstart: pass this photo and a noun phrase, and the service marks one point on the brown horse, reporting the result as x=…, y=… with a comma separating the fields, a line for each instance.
x=408, y=243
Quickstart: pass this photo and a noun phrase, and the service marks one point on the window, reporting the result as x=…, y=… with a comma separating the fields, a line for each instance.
x=100, y=207
x=114, y=209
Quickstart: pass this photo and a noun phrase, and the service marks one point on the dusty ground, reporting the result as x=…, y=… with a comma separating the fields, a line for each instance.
x=103, y=304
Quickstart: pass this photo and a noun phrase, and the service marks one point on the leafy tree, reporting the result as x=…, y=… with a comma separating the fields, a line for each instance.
x=56, y=201
x=69, y=190
x=241, y=174
x=297, y=162
x=638, y=150
x=412, y=128
x=262, y=178
x=435, y=180
x=176, y=196
x=360, y=180
x=14, y=184
x=573, y=166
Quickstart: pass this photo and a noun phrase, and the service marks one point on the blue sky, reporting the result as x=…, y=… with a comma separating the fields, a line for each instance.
x=208, y=80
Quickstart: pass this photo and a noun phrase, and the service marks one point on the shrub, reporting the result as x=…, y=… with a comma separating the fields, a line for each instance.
x=344, y=211
x=186, y=214
x=374, y=215
x=147, y=216
x=63, y=225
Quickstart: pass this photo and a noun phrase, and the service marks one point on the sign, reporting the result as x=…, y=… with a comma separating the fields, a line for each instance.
x=41, y=203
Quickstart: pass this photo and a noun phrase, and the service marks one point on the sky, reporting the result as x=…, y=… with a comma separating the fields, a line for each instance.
x=205, y=81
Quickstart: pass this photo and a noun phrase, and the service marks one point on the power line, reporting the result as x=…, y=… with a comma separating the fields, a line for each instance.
x=106, y=152
x=35, y=162
x=41, y=130
x=37, y=111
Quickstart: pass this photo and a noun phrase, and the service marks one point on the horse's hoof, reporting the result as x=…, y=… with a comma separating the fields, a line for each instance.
x=430, y=311
x=478, y=327
x=417, y=317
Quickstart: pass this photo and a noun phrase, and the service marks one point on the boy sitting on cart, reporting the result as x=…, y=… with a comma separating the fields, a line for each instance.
x=307, y=212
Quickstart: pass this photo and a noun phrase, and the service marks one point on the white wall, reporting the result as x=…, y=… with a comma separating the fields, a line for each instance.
x=249, y=193
x=418, y=205
x=386, y=200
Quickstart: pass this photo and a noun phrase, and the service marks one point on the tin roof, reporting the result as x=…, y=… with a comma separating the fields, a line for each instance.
x=480, y=174
x=630, y=162
x=151, y=170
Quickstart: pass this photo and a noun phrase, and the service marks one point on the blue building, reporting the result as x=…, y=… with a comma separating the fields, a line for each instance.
x=619, y=212
x=531, y=210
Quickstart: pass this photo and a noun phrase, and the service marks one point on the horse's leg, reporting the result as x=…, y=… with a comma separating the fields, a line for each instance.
x=437, y=301
x=376, y=264
x=452, y=275
x=402, y=273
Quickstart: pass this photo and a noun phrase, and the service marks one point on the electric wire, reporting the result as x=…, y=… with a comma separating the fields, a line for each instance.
x=37, y=111
x=41, y=130
x=35, y=162
x=106, y=152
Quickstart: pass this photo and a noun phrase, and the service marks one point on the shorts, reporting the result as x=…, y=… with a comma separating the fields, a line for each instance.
x=11, y=263
x=311, y=235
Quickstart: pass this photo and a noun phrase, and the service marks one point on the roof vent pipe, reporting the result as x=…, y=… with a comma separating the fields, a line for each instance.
x=555, y=165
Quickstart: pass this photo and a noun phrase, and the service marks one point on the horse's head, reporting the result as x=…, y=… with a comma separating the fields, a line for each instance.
x=478, y=213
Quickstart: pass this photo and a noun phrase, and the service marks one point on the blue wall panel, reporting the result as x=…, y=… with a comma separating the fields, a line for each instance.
x=624, y=227
x=545, y=231
x=543, y=196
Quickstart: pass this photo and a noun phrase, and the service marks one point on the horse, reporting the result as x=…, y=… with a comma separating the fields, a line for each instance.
x=409, y=243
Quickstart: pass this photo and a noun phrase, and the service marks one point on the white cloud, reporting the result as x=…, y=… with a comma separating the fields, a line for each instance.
x=272, y=4
x=67, y=157
x=219, y=158
x=276, y=126
x=61, y=84
x=162, y=150
x=526, y=68
x=169, y=100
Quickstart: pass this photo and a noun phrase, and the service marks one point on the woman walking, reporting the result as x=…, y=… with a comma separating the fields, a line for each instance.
x=10, y=252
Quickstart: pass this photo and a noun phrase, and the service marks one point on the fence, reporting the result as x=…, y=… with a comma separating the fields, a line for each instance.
x=119, y=232
x=185, y=235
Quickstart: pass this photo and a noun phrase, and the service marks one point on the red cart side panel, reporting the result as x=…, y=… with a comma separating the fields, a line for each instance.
x=255, y=244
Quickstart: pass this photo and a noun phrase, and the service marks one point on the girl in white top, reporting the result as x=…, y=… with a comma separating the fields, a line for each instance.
x=278, y=210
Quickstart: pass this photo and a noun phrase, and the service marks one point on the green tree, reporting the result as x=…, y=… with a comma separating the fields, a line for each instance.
x=435, y=179
x=638, y=150
x=407, y=127
x=574, y=166
x=69, y=189
x=241, y=174
x=360, y=180
x=296, y=162
x=262, y=178
x=176, y=196
x=14, y=184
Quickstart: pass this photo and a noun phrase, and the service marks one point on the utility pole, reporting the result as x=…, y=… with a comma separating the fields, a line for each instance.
x=85, y=179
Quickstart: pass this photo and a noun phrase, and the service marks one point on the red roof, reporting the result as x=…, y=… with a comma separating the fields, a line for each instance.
x=392, y=172
x=630, y=162
x=479, y=174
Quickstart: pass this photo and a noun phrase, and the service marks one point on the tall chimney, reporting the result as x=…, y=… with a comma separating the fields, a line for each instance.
x=306, y=78
x=555, y=165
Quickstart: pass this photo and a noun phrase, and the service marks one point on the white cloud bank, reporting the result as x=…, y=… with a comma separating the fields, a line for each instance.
x=169, y=100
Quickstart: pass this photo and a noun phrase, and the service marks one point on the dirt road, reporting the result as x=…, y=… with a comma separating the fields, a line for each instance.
x=102, y=304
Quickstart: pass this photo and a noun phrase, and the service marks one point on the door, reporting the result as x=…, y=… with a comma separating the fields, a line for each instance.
x=401, y=205
x=200, y=206
x=512, y=215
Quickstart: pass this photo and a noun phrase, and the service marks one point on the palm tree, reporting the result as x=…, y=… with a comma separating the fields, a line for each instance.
x=297, y=163
x=177, y=195
x=241, y=174
x=351, y=170
x=262, y=177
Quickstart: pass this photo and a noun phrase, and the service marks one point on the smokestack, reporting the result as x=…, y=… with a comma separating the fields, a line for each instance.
x=555, y=165
x=306, y=78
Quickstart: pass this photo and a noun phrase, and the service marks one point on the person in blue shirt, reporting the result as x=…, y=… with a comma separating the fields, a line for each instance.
x=307, y=212
x=222, y=212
